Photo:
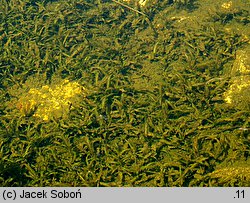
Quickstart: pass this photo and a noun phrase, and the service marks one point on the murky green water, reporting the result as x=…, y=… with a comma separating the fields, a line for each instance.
x=153, y=81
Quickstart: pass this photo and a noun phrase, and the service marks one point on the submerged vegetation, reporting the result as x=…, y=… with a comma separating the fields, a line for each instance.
x=95, y=93
x=45, y=102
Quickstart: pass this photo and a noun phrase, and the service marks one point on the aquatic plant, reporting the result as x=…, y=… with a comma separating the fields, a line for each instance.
x=45, y=101
x=93, y=93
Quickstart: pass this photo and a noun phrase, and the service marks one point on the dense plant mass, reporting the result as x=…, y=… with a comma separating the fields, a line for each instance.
x=123, y=93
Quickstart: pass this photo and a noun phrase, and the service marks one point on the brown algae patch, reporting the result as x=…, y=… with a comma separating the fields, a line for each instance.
x=230, y=176
x=47, y=101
